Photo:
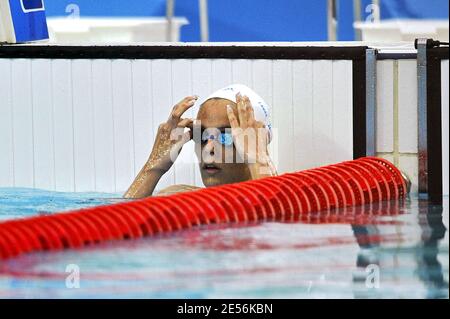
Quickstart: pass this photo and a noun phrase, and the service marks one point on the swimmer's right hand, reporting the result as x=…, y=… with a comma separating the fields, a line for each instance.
x=171, y=137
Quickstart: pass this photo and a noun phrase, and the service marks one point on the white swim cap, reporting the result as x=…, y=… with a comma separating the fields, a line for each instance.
x=260, y=107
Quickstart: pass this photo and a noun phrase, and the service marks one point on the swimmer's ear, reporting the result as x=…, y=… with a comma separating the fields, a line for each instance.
x=261, y=126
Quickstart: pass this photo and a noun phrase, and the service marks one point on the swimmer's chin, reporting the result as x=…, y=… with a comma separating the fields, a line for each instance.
x=210, y=181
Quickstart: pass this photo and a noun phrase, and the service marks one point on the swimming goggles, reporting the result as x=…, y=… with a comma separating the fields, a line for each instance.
x=224, y=138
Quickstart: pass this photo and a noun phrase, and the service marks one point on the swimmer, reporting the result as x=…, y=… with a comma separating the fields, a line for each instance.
x=231, y=133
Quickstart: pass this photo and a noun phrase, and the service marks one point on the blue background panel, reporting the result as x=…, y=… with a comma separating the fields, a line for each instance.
x=29, y=26
x=256, y=20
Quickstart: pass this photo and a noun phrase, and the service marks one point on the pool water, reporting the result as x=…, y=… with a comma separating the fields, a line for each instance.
x=388, y=250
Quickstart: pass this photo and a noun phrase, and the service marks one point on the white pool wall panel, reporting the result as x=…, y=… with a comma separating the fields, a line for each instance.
x=89, y=125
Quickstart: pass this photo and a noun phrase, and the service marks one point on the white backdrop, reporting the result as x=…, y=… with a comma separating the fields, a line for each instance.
x=89, y=125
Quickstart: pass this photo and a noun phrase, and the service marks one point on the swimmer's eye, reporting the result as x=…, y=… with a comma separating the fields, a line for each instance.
x=207, y=138
x=223, y=138
x=226, y=139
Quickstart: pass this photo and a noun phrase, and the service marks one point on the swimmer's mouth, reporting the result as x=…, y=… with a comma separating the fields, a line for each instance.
x=210, y=168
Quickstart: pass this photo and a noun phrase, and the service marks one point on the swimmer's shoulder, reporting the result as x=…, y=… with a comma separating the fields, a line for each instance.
x=176, y=189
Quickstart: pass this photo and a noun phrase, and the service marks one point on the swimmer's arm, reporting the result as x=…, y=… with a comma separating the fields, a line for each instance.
x=164, y=148
x=144, y=183
x=175, y=189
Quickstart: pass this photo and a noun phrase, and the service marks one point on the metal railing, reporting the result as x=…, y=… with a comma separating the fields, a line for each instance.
x=203, y=14
x=333, y=16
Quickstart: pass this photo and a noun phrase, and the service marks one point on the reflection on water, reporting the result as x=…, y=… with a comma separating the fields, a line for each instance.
x=387, y=250
x=429, y=268
x=375, y=259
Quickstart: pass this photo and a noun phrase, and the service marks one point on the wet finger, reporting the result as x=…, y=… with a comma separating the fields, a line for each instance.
x=250, y=112
x=232, y=117
x=241, y=111
x=181, y=107
x=259, y=124
x=185, y=123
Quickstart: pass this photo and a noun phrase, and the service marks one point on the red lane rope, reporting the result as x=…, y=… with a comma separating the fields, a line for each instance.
x=280, y=198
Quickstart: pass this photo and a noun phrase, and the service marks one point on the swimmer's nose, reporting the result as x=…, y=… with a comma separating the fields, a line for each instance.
x=210, y=147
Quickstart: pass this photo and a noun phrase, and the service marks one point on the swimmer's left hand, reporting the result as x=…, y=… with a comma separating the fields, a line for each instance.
x=250, y=137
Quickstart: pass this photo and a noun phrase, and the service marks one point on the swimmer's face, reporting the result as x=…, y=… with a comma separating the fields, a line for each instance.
x=219, y=164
